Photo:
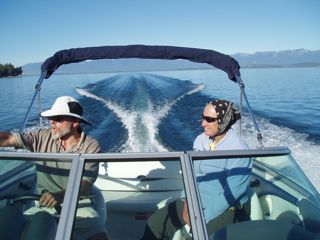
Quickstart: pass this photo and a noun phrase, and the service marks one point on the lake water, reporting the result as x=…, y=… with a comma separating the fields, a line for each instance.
x=160, y=111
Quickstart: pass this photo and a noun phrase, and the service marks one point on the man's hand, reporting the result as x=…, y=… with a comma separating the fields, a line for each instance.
x=50, y=200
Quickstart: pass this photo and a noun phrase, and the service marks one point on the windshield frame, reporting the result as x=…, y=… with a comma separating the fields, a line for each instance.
x=186, y=160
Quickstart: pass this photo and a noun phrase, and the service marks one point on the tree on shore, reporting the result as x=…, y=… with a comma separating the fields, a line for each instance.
x=8, y=70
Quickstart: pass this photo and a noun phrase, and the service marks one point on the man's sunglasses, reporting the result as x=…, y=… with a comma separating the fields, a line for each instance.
x=209, y=119
x=60, y=118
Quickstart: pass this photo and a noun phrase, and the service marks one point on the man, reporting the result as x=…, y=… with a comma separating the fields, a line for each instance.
x=64, y=136
x=222, y=183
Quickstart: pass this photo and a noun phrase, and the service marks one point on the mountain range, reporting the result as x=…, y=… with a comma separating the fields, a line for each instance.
x=287, y=58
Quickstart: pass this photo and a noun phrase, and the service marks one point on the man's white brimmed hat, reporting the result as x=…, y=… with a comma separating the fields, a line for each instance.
x=66, y=106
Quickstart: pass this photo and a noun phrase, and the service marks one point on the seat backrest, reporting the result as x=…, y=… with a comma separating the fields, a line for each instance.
x=11, y=222
x=256, y=212
x=42, y=225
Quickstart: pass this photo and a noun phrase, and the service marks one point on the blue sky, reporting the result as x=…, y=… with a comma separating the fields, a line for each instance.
x=33, y=30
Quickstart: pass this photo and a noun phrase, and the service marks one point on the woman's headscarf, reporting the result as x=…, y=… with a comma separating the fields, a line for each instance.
x=227, y=113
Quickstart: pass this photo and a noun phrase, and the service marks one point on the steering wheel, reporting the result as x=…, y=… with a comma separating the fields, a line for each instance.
x=31, y=197
x=24, y=198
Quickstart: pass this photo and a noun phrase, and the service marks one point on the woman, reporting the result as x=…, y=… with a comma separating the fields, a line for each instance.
x=222, y=183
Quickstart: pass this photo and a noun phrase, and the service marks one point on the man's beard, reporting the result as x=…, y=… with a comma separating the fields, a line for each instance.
x=61, y=133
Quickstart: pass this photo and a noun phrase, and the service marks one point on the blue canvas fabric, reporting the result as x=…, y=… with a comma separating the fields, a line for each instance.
x=213, y=58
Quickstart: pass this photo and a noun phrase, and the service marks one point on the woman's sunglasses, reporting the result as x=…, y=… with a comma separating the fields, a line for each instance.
x=209, y=119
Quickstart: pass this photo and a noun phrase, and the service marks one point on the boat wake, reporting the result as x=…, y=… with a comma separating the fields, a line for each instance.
x=303, y=150
x=140, y=112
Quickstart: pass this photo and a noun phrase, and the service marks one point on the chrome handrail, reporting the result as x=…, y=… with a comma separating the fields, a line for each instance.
x=255, y=124
x=37, y=90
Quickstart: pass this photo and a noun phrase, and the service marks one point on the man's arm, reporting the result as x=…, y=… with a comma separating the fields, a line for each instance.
x=6, y=140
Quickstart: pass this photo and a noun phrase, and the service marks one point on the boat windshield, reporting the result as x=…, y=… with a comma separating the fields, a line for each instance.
x=286, y=169
x=133, y=191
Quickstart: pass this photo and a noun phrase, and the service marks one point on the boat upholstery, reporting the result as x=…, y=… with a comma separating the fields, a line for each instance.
x=310, y=214
x=11, y=216
x=42, y=226
x=264, y=230
x=255, y=210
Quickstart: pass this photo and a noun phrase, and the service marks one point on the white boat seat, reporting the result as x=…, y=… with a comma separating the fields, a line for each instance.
x=256, y=212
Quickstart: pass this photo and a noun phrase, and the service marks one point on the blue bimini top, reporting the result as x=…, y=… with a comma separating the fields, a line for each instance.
x=213, y=58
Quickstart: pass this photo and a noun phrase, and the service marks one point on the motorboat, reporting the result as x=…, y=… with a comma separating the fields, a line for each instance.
x=131, y=186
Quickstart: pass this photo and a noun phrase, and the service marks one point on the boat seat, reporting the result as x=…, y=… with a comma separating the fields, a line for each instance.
x=165, y=202
x=264, y=230
x=253, y=206
x=310, y=214
x=11, y=222
x=42, y=226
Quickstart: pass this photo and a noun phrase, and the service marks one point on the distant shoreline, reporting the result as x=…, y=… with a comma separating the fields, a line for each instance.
x=298, y=65
x=185, y=69
x=297, y=58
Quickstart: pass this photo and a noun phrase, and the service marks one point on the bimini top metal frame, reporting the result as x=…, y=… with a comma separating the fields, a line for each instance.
x=216, y=59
